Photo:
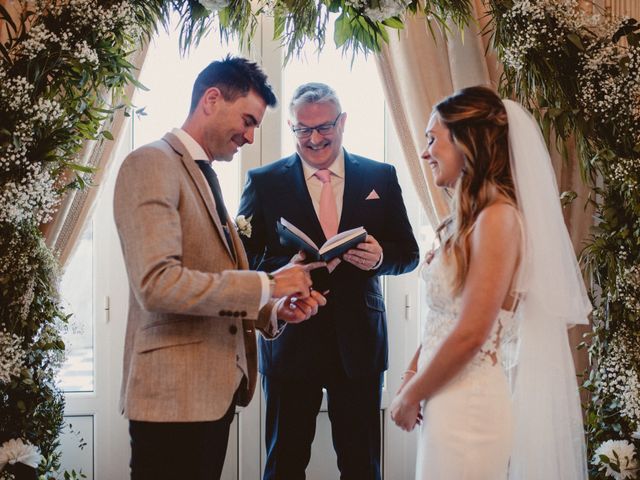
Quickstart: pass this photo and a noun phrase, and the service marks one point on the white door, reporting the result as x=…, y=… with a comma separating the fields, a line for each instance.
x=96, y=279
x=368, y=132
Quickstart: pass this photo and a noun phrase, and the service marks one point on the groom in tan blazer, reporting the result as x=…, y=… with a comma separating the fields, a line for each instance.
x=190, y=350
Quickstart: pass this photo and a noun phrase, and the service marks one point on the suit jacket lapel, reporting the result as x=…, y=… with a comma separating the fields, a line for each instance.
x=242, y=261
x=201, y=186
x=353, y=190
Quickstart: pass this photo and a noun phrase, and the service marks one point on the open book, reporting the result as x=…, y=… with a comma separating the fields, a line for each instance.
x=292, y=236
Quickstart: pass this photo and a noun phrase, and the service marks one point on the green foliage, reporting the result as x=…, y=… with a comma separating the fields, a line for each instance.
x=31, y=404
x=58, y=88
x=580, y=76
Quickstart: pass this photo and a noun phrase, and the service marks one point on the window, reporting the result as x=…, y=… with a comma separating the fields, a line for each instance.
x=77, y=374
x=169, y=78
x=357, y=87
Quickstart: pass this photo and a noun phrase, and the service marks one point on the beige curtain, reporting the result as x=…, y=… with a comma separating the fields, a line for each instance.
x=14, y=11
x=621, y=8
x=62, y=233
x=418, y=69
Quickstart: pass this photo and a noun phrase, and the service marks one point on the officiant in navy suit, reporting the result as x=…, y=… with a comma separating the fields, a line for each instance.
x=322, y=189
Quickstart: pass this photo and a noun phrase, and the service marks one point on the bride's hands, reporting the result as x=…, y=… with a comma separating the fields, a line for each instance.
x=405, y=413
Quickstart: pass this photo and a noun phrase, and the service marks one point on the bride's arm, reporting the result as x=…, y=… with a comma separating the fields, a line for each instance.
x=493, y=258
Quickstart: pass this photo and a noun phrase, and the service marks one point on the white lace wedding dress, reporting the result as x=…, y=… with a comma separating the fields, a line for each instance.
x=467, y=427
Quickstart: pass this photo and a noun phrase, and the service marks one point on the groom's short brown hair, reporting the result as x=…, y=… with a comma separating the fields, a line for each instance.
x=234, y=77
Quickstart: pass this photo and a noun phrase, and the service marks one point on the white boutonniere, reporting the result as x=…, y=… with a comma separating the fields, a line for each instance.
x=243, y=225
x=18, y=451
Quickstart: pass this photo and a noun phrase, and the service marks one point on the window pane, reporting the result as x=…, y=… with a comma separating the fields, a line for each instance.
x=77, y=445
x=358, y=89
x=77, y=296
x=169, y=78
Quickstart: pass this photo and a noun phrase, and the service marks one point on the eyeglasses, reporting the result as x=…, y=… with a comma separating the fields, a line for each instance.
x=324, y=129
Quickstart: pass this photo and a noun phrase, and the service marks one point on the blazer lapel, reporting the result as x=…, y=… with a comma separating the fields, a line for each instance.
x=201, y=186
x=354, y=184
x=242, y=261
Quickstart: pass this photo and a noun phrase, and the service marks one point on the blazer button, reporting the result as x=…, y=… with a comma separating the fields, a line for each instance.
x=222, y=313
x=229, y=313
x=243, y=313
x=236, y=314
x=233, y=329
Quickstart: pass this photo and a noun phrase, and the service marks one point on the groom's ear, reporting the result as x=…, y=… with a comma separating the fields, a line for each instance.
x=210, y=97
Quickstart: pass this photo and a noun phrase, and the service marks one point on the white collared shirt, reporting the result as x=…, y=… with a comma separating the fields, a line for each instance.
x=314, y=185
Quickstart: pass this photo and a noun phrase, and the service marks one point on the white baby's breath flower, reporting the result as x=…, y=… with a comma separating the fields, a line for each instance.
x=618, y=453
x=385, y=9
x=85, y=54
x=18, y=451
x=618, y=376
x=214, y=5
x=11, y=356
x=33, y=198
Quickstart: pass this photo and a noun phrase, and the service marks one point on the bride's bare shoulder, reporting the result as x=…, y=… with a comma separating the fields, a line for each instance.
x=499, y=219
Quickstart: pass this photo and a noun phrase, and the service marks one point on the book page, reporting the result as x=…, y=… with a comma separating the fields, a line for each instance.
x=303, y=236
x=341, y=238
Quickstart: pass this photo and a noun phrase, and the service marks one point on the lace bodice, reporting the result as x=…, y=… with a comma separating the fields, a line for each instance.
x=443, y=310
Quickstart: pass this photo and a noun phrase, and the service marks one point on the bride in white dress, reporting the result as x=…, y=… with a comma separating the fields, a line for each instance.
x=493, y=381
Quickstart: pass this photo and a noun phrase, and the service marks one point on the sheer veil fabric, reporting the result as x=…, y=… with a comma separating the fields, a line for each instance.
x=549, y=437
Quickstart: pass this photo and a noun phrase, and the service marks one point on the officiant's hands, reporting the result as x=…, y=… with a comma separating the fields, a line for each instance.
x=366, y=256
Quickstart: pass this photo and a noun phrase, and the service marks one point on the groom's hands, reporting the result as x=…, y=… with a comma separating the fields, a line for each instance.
x=301, y=301
x=293, y=280
x=295, y=310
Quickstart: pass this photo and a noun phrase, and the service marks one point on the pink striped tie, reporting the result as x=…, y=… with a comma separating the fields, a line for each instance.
x=328, y=209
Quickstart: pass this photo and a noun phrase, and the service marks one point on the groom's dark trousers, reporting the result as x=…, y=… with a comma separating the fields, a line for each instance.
x=199, y=448
x=343, y=348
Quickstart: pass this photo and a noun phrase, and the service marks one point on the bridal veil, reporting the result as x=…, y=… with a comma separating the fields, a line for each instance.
x=549, y=438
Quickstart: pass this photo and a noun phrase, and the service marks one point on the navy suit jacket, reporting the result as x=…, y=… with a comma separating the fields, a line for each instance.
x=352, y=326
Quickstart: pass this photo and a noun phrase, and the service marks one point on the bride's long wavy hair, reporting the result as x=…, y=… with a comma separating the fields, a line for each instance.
x=477, y=122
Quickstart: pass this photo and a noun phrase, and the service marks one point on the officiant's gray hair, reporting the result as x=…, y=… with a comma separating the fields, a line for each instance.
x=314, y=92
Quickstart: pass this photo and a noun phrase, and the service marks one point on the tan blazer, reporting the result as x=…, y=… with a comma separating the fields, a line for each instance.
x=189, y=299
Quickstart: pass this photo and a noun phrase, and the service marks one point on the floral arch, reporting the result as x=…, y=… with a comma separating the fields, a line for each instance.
x=64, y=65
